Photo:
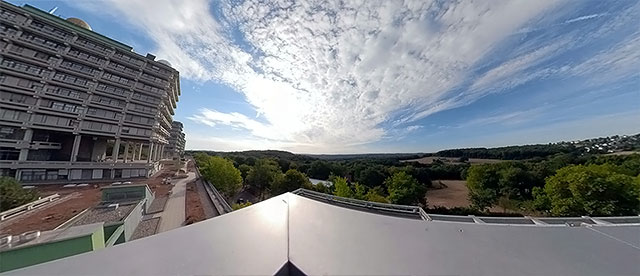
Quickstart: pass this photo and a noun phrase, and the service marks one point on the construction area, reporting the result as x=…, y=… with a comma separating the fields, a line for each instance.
x=173, y=197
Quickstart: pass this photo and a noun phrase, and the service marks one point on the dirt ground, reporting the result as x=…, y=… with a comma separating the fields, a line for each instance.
x=455, y=194
x=72, y=201
x=452, y=160
x=194, y=211
x=155, y=182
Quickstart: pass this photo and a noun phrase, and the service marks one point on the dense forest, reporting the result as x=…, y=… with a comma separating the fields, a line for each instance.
x=554, y=179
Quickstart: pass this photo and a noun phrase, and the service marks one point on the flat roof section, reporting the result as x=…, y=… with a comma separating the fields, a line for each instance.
x=106, y=214
x=311, y=237
x=57, y=235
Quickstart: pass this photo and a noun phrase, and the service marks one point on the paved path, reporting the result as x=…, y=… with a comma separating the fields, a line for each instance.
x=173, y=214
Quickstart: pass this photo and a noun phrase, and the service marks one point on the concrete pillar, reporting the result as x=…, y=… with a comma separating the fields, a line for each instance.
x=162, y=152
x=150, y=153
x=24, y=152
x=140, y=152
x=116, y=150
x=76, y=148
x=156, y=152
x=126, y=152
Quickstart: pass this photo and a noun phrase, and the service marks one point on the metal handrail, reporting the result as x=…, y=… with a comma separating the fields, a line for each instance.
x=405, y=209
x=408, y=209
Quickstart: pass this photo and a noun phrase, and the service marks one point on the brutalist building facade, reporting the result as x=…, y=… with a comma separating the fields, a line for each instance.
x=76, y=105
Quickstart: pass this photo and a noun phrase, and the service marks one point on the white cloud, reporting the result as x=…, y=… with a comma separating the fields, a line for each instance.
x=580, y=18
x=328, y=74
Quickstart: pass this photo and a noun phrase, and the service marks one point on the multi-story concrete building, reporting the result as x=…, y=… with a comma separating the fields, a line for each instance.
x=77, y=105
x=175, y=148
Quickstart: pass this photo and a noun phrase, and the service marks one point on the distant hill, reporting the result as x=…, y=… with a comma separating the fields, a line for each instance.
x=366, y=156
x=601, y=145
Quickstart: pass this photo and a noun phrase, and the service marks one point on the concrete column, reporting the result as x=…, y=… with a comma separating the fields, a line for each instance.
x=156, y=152
x=126, y=152
x=76, y=148
x=24, y=152
x=150, y=152
x=116, y=150
x=162, y=152
x=140, y=152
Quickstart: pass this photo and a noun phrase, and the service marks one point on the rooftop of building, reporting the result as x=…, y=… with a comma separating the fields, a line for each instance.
x=36, y=237
x=295, y=234
x=84, y=31
x=72, y=24
x=107, y=213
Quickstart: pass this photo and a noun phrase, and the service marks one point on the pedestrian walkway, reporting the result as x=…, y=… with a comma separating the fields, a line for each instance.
x=173, y=215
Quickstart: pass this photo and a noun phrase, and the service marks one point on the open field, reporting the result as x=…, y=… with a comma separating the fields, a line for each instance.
x=455, y=194
x=452, y=160
x=624, y=153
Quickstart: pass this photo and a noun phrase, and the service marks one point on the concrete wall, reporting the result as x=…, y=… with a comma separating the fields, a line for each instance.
x=40, y=253
x=110, y=229
x=133, y=219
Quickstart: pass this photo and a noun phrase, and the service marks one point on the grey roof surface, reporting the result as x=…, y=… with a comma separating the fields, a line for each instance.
x=106, y=215
x=319, y=238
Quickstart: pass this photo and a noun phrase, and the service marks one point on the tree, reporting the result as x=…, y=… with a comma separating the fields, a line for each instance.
x=238, y=206
x=483, y=184
x=359, y=191
x=593, y=190
x=244, y=170
x=372, y=176
x=264, y=173
x=320, y=170
x=404, y=189
x=321, y=188
x=292, y=180
x=342, y=188
x=377, y=195
x=13, y=195
x=221, y=173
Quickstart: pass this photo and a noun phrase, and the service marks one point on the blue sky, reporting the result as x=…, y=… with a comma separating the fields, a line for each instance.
x=386, y=76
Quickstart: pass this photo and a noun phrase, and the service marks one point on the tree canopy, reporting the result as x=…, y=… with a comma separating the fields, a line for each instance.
x=342, y=188
x=594, y=190
x=292, y=180
x=404, y=189
x=13, y=195
x=221, y=173
x=263, y=174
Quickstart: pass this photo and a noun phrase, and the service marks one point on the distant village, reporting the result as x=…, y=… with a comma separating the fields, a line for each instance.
x=611, y=144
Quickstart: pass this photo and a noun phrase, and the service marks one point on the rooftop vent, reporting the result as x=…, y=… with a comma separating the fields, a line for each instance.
x=5, y=239
x=30, y=235
x=151, y=57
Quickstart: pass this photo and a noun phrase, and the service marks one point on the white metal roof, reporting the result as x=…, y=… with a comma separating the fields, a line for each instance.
x=322, y=239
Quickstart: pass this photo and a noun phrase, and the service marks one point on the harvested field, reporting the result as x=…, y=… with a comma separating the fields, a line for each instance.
x=624, y=153
x=194, y=212
x=452, y=160
x=453, y=193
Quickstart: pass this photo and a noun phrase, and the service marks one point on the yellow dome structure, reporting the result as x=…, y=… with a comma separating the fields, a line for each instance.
x=79, y=22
